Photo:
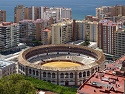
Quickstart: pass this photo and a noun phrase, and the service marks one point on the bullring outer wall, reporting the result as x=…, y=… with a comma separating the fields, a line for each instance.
x=60, y=76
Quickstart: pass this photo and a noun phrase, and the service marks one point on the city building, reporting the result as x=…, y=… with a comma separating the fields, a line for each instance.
x=62, y=32
x=31, y=30
x=7, y=68
x=32, y=13
x=91, y=18
x=119, y=49
x=90, y=30
x=85, y=29
x=46, y=37
x=102, y=12
x=110, y=11
x=64, y=64
x=2, y=16
x=9, y=35
x=78, y=30
x=103, y=83
x=106, y=31
x=110, y=80
x=58, y=14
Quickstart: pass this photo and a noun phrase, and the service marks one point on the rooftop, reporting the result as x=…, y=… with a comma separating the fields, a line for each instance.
x=103, y=83
x=64, y=23
x=46, y=30
x=5, y=24
x=2, y=10
x=33, y=21
x=109, y=81
x=4, y=63
x=78, y=42
x=108, y=22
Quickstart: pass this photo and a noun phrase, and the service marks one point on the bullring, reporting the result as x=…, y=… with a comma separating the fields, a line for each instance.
x=61, y=64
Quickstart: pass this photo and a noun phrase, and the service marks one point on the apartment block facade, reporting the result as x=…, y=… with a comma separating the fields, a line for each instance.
x=32, y=30
x=91, y=30
x=62, y=32
x=32, y=13
x=85, y=29
x=2, y=16
x=106, y=32
x=119, y=43
x=58, y=14
x=21, y=12
x=78, y=30
x=46, y=36
x=110, y=11
x=9, y=35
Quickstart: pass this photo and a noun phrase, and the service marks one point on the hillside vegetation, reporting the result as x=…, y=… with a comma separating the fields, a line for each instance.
x=20, y=84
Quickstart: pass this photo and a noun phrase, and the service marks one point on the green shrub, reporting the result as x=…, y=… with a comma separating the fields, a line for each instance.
x=43, y=85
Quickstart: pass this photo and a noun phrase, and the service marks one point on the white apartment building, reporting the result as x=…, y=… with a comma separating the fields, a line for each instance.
x=79, y=29
x=51, y=14
x=7, y=68
x=58, y=14
x=9, y=35
x=62, y=32
x=91, y=30
x=101, y=11
x=65, y=13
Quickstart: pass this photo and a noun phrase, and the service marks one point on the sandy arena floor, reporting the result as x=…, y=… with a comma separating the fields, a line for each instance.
x=61, y=64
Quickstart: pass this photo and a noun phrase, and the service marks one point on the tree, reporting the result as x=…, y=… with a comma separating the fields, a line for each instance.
x=86, y=41
x=16, y=84
x=21, y=84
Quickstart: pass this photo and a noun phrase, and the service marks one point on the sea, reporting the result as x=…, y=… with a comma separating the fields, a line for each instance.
x=80, y=8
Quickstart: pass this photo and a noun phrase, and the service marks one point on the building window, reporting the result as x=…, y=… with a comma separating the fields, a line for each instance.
x=62, y=81
x=92, y=71
x=80, y=75
x=53, y=81
x=71, y=75
x=98, y=68
x=33, y=72
x=66, y=75
x=49, y=75
x=61, y=75
x=14, y=68
x=37, y=73
x=53, y=75
x=19, y=67
x=29, y=71
x=44, y=74
x=23, y=68
x=49, y=81
x=84, y=74
x=88, y=73
x=44, y=80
